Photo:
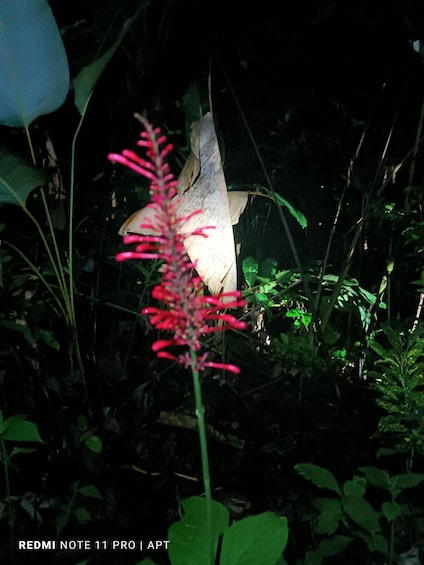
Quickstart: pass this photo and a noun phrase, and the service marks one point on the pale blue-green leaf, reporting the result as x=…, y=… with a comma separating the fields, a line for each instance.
x=87, y=78
x=17, y=178
x=34, y=71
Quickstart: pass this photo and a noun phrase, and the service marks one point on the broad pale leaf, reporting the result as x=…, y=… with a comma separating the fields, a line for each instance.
x=214, y=256
x=34, y=71
x=202, y=186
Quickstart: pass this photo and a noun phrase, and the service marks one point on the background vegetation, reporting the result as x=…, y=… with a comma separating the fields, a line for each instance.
x=320, y=103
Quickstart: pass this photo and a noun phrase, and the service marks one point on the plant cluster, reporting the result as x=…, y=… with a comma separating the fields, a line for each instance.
x=319, y=359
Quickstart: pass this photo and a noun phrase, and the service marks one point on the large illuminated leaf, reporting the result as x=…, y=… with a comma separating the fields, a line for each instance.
x=34, y=72
x=214, y=256
x=201, y=186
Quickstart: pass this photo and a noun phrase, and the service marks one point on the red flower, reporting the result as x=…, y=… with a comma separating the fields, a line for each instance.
x=187, y=313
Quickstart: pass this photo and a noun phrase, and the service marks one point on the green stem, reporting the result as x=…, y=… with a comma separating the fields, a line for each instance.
x=5, y=459
x=31, y=148
x=391, y=542
x=200, y=414
x=71, y=213
x=40, y=276
x=60, y=272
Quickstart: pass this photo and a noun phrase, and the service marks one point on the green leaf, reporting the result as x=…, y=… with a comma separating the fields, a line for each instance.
x=34, y=71
x=189, y=537
x=62, y=521
x=256, y=539
x=87, y=78
x=362, y=513
x=146, y=561
x=333, y=546
x=374, y=542
x=312, y=558
x=49, y=339
x=283, y=202
x=294, y=313
x=391, y=510
x=82, y=515
x=18, y=178
x=356, y=487
x=407, y=480
x=385, y=452
x=17, y=428
x=18, y=450
x=331, y=514
x=94, y=443
x=268, y=268
x=192, y=107
x=377, y=477
x=379, y=349
x=19, y=328
x=319, y=476
x=90, y=491
x=250, y=270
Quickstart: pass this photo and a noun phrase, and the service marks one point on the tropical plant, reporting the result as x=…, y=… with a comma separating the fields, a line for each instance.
x=398, y=376
x=188, y=313
x=34, y=75
x=350, y=517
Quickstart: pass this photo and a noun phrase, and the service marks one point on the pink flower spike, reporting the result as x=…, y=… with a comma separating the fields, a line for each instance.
x=124, y=256
x=132, y=239
x=162, y=344
x=225, y=366
x=134, y=167
x=137, y=160
x=166, y=355
x=183, y=311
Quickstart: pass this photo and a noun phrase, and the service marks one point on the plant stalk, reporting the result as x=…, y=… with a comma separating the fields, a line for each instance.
x=200, y=414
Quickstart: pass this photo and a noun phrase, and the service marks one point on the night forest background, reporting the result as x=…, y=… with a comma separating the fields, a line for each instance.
x=319, y=103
